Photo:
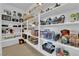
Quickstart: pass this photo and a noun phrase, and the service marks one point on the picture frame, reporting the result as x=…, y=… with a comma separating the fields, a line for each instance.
x=6, y=17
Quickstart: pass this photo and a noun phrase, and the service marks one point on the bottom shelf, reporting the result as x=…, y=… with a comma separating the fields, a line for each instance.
x=73, y=51
x=61, y=44
x=39, y=49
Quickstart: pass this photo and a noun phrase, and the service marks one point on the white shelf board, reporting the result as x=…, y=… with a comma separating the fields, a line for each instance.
x=58, y=43
x=60, y=10
x=9, y=22
x=32, y=45
x=61, y=24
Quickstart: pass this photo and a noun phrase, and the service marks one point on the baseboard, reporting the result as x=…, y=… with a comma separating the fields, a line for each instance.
x=9, y=42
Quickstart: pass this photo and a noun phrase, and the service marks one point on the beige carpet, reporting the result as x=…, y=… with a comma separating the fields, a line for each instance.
x=20, y=50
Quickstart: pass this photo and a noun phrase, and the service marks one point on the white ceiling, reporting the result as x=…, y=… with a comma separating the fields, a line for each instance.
x=26, y=6
x=47, y=5
x=23, y=6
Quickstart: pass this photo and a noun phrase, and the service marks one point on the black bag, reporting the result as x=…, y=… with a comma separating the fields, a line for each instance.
x=49, y=47
x=57, y=36
x=24, y=36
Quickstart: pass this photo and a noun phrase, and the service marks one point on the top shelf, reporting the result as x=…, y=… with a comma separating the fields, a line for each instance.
x=52, y=10
x=64, y=8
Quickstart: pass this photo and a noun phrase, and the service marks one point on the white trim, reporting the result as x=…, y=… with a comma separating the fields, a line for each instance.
x=9, y=42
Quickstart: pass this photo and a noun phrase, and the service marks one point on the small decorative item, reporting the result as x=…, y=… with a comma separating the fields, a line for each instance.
x=47, y=9
x=14, y=13
x=54, y=20
x=42, y=22
x=24, y=36
x=74, y=16
x=17, y=20
x=19, y=14
x=14, y=25
x=34, y=32
x=74, y=39
x=33, y=40
x=20, y=20
x=13, y=19
x=11, y=31
x=64, y=40
x=65, y=32
x=57, y=5
x=42, y=11
x=77, y=16
x=35, y=23
x=49, y=47
x=3, y=31
x=49, y=34
x=61, y=19
x=65, y=36
x=57, y=37
x=66, y=53
x=49, y=21
x=61, y=52
x=7, y=12
x=19, y=25
x=6, y=17
x=77, y=43
x=21, y=41
x=4, y=25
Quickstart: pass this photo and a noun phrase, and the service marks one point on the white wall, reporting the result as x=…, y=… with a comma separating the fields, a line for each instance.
x=0, y=32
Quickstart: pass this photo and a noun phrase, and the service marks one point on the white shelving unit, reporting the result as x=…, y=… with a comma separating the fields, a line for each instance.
x=14, y=40
x=59, y=10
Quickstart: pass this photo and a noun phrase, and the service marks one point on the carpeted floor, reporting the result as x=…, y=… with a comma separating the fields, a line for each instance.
x=20, y=50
